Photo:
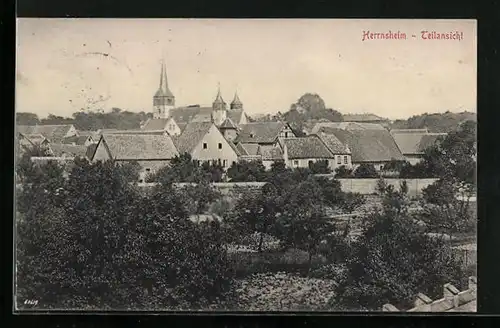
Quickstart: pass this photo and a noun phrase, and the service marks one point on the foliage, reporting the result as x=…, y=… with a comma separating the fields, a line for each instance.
x=320, y=167
x=352, y=201
x=309, y=106
x=130, y=170
x=93, y=241
x=416, y=171
x=443, y=212
x=247, y=171
x=184, y=169
x=394, y=165
x=27, y=119
x=343, y=172
x=455, y=157
x=437, y=122
x=366, y=171
x=393, y=260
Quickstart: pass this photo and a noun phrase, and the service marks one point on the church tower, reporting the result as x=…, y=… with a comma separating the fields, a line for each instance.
x=163, y=99
x=219, y=112
x=236, y=104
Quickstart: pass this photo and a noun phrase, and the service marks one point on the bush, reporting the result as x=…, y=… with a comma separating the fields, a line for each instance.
x=366, y=171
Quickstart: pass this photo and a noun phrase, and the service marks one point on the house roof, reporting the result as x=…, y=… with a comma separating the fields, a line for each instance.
x=78, y=140
x=91, y=151
x=334, y=144
x=140, y=146
x=137, y=131
x=155, y=124
x=409, y=130
x=366, y=117
x=250, y=148
x=228, y=124
x=306, y=147
x=233, y=146
x=368, y=145
x=191, y=136
x=345, y=126
x=58, y=149
x=270, y=154
x=93, y=134
x=260, y=132
x=34, y=139
x=55, y=133
x=186, y=114
x=416, y=142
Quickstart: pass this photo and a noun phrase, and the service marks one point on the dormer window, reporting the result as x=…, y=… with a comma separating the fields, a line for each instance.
x=251, y=135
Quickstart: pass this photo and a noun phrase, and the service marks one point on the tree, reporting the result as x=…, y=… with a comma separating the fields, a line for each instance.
x=343, y=172
x=27, y=118
x=181, y=169
x=320, y=167
x=366, y=171
x=303, y=223
x=443, y=211
x=352, y=201
x=393, y=261
x=436, y=122
x=247, y=171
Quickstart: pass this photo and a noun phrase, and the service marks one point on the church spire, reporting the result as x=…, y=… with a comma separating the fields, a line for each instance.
x=163, y=100
x=219, y=102
x=236, y=103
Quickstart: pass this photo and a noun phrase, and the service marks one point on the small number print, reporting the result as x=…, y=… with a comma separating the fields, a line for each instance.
x=31, y=302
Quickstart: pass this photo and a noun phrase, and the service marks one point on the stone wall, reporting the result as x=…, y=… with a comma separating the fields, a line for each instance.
x=453, y=300
x=367, y=186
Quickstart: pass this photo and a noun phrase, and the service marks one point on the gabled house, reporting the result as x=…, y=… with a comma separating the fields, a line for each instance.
x=341, y=152
x=26, y=142
x=303, y=152
x=205, y=143
x=368, y=146
x=413, y=142
x=80, y=140
x=54, y=133
x=264, y=134
x=162, y=124
x=151, y=152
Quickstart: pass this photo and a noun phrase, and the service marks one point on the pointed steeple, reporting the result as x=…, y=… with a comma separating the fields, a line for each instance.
x=163, y=99
x=164, y=80
x=236, y=103
x=219, y=103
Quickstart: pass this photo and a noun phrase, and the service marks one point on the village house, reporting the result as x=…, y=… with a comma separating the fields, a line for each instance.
x=79, y=140
x=413, y=142
x=263, y=134
x=303, y=152
x=151, y=152
x=341, y=152
x=368, y=146
x=206, y=143
x=54, y=133
x=67, y=151
x=27, y=142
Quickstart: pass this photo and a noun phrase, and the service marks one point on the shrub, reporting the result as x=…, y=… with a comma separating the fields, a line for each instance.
x=366, y=171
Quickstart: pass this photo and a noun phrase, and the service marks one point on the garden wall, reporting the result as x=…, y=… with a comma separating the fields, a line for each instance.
x=367, y=186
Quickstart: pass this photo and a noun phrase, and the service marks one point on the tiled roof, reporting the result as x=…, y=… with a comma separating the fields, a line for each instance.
x=250, y=149
x=78, y=140
x=233, y=146
x=59, y=149
x=235, y=115
x=415, y=143
x=362, y=117
x=155, y=124
x=306, y=147
x=55, y=133
x=334, y=144
x=191, y=136
x=345, y=126
x=228, y=124
x=368, y=145
x=91, y=151
x=260, y=132
x=92, y=134
x=137, y=131
x=271, y=154
x=186, y=114
x=409, y=131
x=34, y=139
x=140, y=146
x=241, y=150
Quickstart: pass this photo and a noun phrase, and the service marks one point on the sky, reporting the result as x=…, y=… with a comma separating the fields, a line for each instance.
x=64, y=65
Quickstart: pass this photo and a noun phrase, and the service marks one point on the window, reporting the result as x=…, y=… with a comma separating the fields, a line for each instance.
x=345, y=159
x=296, y=163
x=141, y=181
x=220, y=145
x=286, y=134
x=205, y=145
x=148, y=170
x=310, y=163
x=224, y=163
x=339, y=160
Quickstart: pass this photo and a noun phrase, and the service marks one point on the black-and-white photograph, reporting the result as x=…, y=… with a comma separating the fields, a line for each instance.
x=245, y=165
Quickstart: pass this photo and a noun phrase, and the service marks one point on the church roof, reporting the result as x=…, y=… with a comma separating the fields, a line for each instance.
x=236, y=100
x=163, y=90
x=191, y=136
x=218, y=99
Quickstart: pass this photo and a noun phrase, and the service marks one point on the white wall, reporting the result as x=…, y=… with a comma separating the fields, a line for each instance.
x=213, y=138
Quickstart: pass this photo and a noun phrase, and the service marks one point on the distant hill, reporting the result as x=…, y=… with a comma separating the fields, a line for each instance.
x=437, y=122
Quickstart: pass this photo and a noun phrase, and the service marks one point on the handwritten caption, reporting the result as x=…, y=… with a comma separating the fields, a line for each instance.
x=423, y=35
x=31, y=302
